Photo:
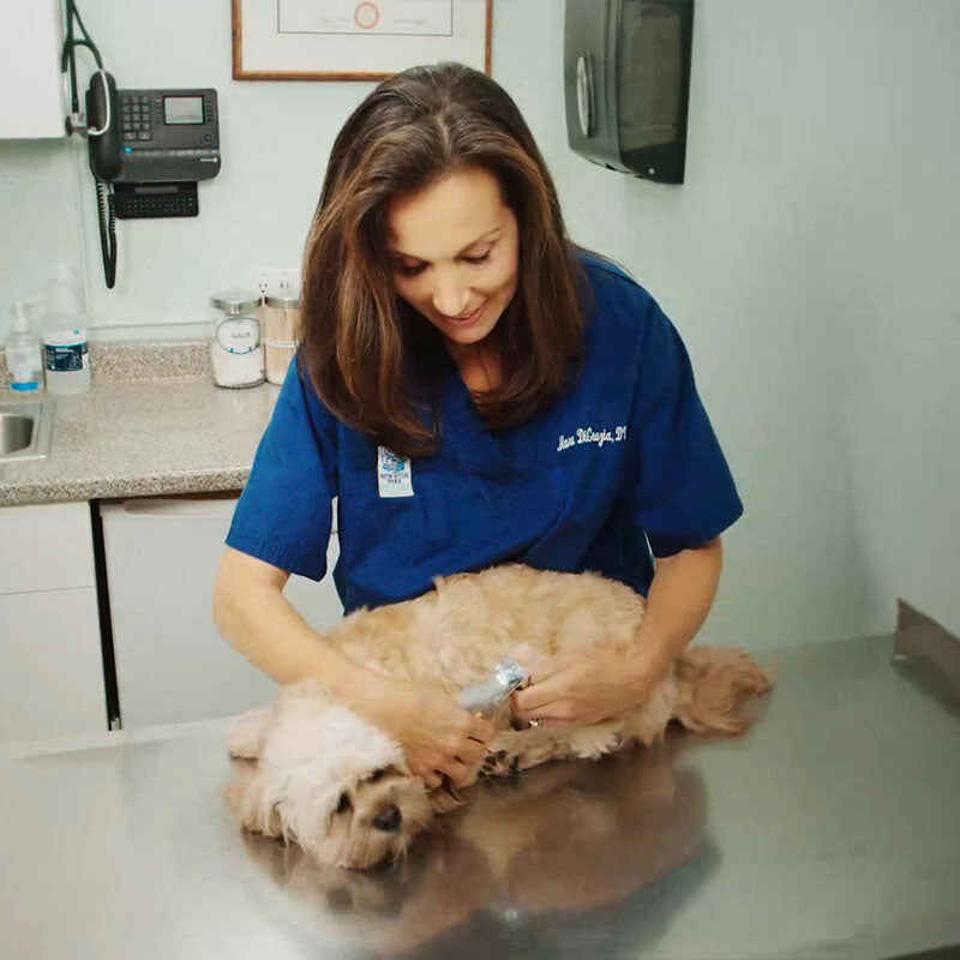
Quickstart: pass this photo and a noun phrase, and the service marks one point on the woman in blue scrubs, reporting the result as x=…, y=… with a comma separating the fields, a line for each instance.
x=474, y=390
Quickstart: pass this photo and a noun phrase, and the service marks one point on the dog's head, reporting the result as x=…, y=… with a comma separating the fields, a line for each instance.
x=332, y=782
x=375, y=818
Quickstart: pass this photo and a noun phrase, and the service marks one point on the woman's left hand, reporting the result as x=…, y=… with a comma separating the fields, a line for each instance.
x=584, y=689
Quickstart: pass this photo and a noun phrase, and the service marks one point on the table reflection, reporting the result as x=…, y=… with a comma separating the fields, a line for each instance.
x=570, y=838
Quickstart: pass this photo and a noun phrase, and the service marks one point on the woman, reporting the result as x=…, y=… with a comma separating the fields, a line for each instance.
x=474, y=390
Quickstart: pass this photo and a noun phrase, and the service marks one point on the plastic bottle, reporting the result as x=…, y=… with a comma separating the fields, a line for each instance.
x=23, y=352
x=65, y=349
x=67, y=361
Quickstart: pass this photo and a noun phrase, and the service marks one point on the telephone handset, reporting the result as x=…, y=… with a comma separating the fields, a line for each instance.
x=103, y=126
x=103, y=143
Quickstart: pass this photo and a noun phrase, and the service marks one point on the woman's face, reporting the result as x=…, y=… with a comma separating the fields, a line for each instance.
x=454, y=254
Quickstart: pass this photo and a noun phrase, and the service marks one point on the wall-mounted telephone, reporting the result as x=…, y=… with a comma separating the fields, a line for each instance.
x=151, y=147
x=152, y=136
x=148, y=148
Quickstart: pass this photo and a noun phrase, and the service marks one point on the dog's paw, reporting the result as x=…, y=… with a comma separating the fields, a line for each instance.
x=516, y=750
x=500, y=763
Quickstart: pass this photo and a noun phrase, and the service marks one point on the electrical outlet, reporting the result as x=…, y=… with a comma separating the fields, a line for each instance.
x=277, y=280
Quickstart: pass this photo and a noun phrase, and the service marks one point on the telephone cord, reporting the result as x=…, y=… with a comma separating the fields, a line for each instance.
x=106, y=221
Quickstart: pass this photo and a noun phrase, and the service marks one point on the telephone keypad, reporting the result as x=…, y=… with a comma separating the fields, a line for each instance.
x=135, y=119
x=154, y=151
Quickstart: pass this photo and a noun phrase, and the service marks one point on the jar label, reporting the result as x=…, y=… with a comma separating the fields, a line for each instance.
x=238, y=334
x=65, y=359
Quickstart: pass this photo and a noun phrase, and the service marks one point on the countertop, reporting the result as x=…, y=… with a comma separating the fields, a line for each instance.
x=829, y=830
x=132, y=439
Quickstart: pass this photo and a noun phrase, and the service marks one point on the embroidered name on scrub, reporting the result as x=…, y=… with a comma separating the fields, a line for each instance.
x=394, y=474
x=596, y=437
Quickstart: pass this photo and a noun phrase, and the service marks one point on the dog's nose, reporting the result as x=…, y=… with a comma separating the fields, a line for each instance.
x=389, y=819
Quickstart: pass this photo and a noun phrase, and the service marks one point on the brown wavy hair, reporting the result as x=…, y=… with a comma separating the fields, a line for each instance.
x=374, y=361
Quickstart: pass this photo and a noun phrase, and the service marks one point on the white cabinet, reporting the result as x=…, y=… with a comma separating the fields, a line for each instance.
x=172, y=665
x=51, y=668
x=31, y=105
x=47, y=546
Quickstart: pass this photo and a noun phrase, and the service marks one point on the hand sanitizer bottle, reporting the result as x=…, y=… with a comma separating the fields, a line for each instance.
x=23, y=353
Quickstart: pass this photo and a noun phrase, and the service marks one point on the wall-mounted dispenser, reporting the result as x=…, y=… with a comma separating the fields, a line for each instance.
x=626, y=84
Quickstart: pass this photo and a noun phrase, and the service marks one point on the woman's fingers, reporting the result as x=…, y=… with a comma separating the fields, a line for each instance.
x=539, y=695
x=449, y=742
x=472, y=752
x=527, y=702
x=481, y=729
x=432, y=778
x=459, y=773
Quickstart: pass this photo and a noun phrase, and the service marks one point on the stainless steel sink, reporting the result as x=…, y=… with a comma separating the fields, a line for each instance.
x=24, y=429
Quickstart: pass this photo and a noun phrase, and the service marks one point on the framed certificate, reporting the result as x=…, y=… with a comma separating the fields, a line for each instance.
x=356, y=39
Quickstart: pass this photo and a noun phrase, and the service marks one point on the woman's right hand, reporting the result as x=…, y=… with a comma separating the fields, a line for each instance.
x=437, y=735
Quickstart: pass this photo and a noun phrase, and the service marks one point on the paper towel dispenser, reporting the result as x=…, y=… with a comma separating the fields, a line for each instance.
x=627, y=80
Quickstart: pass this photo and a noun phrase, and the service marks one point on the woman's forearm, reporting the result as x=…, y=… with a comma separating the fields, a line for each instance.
x=601, y=684
x=438, y=737
x=678, y=602
x=253, y=614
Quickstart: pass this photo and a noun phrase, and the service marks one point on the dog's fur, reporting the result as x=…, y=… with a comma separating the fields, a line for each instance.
x=318, y=774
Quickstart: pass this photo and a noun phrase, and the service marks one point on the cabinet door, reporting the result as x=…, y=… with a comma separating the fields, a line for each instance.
x=172, y=664
x=47, y=546
x=31, y=105
x=51, y=673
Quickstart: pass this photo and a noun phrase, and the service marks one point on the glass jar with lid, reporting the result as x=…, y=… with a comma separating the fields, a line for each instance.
x=281, y=324
x=236, y=348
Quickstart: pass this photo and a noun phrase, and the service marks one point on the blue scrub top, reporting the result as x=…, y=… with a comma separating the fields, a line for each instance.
x=623, y=465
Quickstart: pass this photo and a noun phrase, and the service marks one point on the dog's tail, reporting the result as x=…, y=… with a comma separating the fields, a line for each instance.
x=714, y=685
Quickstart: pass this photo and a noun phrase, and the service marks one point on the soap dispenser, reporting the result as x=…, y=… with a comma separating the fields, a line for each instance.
x=23, y=352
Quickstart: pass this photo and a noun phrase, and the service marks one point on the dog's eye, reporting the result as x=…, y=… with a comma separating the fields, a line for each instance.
x=344, y=805
x=377, y=775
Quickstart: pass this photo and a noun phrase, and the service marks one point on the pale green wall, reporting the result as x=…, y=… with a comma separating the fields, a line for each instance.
x=805, y=260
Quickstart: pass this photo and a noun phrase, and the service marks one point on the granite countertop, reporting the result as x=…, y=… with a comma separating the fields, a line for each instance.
x=153, y=423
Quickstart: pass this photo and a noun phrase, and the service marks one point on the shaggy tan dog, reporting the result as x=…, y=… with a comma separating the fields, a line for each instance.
x=319, y=775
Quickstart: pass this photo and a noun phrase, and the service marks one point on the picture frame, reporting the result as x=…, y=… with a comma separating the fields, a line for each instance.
x=356, y=39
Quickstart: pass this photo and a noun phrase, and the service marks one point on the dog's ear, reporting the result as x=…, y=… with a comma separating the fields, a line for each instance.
x=247, y=800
